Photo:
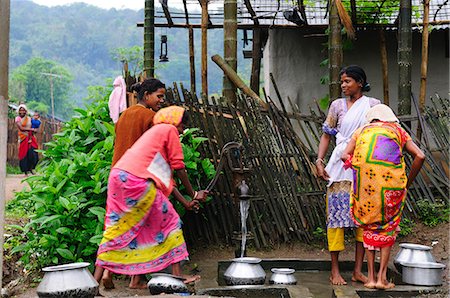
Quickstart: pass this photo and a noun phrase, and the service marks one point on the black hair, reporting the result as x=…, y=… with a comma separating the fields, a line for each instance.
x=148, y=85
x=358, y=74
x=185, y=119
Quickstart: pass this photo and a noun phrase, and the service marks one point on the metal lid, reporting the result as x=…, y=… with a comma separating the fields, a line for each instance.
x=415, y=246
x=283, y=270
x=166, y=275
x=249, y=260
x=66, y=267
x=426, y=265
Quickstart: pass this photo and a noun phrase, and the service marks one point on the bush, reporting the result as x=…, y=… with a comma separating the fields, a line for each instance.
x=66, y=201
x=432, y=214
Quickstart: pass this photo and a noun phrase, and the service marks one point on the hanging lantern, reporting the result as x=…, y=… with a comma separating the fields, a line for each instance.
x=163, y=57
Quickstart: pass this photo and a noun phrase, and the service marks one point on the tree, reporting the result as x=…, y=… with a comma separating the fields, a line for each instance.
x=29, y=84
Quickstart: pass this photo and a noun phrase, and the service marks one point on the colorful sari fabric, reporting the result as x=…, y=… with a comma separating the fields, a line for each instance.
x=28, y=157
x=379, y=176
x=142, y=229
x=342, y=123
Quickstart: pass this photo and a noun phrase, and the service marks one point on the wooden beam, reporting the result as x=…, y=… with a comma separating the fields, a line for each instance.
x=234, y=77
x=424, y=63
x=404, y=58
x=335, y=55
x=149, y=39
x=204, y=4
x=256, y=50
x=310, y=28
x=166, y=12
x=4, y=66
x=230, y=46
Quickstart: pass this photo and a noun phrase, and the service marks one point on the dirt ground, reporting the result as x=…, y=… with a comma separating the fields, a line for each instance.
x=202, y=257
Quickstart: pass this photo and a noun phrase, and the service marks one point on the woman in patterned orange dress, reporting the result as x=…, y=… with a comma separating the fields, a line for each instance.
x=375, y=154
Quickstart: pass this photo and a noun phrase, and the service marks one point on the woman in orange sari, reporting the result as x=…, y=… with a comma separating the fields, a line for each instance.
x=375, y=153
x=28, y=157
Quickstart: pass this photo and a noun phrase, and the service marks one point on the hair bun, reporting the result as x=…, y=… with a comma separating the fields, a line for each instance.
x=366, y=87
x=136, y=87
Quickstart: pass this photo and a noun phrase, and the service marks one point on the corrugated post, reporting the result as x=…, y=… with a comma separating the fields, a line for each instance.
x=230, y=46
x=404, y=58
x=4, y=54
x=149, y=38
x=334, y=52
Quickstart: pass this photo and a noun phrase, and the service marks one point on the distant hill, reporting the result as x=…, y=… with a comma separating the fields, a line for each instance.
x=81, y=37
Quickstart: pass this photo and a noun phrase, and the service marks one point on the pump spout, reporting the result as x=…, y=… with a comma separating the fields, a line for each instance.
x=243, y=191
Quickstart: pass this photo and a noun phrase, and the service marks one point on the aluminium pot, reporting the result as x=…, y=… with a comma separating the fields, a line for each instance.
x=282, y=276
x=413, y=253
x=166, y=283
x=423, y=274
x=69, y=280
x=245, y=271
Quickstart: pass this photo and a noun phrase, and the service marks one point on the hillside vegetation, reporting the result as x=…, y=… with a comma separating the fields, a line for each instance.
x=81, y=38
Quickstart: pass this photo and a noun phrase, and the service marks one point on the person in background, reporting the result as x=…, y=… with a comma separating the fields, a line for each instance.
x=131, y=125
x=375, y=153
x=28, y=157
x=345, y=115
x=35, y=122
x=142, y=229
x=137, y=119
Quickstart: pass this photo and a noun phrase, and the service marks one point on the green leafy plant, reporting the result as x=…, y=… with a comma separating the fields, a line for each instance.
x=66, y=202
x=200, y=170
x=12, y=170
x=432, y=214
x=406, y=226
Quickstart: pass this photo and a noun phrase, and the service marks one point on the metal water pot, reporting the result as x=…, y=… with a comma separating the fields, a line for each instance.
x=412, y=253
x=69, y=280
x=245, y=271
x=423, y=274
x=283, y=276
x=166, y=283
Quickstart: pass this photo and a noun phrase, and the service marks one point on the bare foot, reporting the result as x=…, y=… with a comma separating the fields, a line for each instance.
x=337, y=280
x=370, y=285
x=359, y=277
x=137, y=283
x=187, y=279
x=107, y=282
x=384, y=285
x=140, y=285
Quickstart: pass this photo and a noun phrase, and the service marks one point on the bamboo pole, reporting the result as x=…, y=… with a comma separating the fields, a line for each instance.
x=204, y=25
x=191, y=49
x=149, y=39
x=424, y=63
x=384, y=66
x=256, y=50
x=335, y=55
x=230, y=73
x=404, y=58
x=4, y=66
x=192, y=58
x=230, y=46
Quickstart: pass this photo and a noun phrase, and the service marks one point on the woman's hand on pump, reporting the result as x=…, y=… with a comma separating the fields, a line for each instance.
x=200, y=195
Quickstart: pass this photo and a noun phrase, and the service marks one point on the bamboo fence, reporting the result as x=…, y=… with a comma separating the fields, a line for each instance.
x=288, y=201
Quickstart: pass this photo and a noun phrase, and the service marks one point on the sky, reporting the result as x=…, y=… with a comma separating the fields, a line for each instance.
x=107, y=4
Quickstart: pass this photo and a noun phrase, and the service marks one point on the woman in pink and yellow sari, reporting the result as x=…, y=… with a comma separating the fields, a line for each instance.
x=375, y=153
x=142, y=229
x=28, y=157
